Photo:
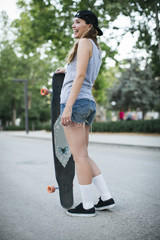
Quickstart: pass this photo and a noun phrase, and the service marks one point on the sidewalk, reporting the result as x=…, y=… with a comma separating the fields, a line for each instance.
x=121, y=139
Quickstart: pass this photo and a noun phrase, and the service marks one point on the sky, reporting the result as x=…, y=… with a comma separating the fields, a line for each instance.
x=127, y=42
x=10, y=7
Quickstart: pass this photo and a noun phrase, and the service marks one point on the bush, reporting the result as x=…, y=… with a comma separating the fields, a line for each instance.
x=14, y=128
x=37, y=126
x=141, y=126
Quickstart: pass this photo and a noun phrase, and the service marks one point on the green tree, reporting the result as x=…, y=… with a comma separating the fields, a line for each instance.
x=33, y=68
x=8, y=59
x=134, y=89
x=144, y=16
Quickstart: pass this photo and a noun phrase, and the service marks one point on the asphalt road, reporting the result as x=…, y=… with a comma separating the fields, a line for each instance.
x=28, y=211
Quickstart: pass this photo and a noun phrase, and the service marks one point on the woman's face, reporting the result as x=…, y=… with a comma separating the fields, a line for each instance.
x=79, y=27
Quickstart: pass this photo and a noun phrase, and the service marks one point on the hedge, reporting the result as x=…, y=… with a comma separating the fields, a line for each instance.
x=39, y=126
x=141, y=126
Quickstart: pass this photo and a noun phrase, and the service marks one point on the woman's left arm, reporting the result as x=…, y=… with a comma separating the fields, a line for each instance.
x=83, y=54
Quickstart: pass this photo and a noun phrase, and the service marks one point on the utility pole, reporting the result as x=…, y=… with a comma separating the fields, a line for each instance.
x=25, y=101
x=157, y=28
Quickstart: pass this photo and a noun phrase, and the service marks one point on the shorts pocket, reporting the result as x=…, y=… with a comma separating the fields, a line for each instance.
x=82, y=110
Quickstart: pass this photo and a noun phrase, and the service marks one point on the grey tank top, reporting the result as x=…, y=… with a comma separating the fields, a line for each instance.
x=91, y=75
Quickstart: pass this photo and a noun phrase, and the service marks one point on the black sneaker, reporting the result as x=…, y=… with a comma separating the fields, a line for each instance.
x=102, y=205
x=79, y=211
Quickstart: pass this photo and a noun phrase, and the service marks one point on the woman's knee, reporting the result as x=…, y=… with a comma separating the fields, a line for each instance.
x=80, y=158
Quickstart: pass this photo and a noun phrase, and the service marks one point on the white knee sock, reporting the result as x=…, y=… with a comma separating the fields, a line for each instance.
x=87, y=198
x=102, y=187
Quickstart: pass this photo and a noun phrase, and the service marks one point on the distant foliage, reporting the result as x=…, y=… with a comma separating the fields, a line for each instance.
x=140, y=126
x=136, y=88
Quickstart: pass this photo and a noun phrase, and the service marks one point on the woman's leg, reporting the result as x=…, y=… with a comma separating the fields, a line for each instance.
x=75, y=135
x=98, y=178
x=95, y=170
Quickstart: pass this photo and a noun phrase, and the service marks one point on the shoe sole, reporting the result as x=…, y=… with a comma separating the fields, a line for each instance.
x=105, y=207
x=81, y=215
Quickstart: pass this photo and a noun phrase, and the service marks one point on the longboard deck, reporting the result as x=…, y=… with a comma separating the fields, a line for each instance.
x=63, y=160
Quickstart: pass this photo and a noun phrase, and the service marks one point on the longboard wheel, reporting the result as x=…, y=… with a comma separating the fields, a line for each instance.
x=51, y=189
x=44, y=91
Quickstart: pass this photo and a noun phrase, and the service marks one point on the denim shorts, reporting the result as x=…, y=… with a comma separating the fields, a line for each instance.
x=83, y=111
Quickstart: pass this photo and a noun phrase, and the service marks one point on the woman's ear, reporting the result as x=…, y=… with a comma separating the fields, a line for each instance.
x=90, y=25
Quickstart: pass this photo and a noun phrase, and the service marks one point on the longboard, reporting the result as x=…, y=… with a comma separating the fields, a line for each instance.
x=63, y=160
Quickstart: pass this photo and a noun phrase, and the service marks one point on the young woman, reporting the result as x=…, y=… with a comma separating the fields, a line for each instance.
x=78, y=110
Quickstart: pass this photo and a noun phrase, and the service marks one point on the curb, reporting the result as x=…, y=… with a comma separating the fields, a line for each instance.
x=126, y=145
x=90, y=142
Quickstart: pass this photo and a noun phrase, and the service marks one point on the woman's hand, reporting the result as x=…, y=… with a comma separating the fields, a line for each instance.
x=60, y=70
x=66, y=116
